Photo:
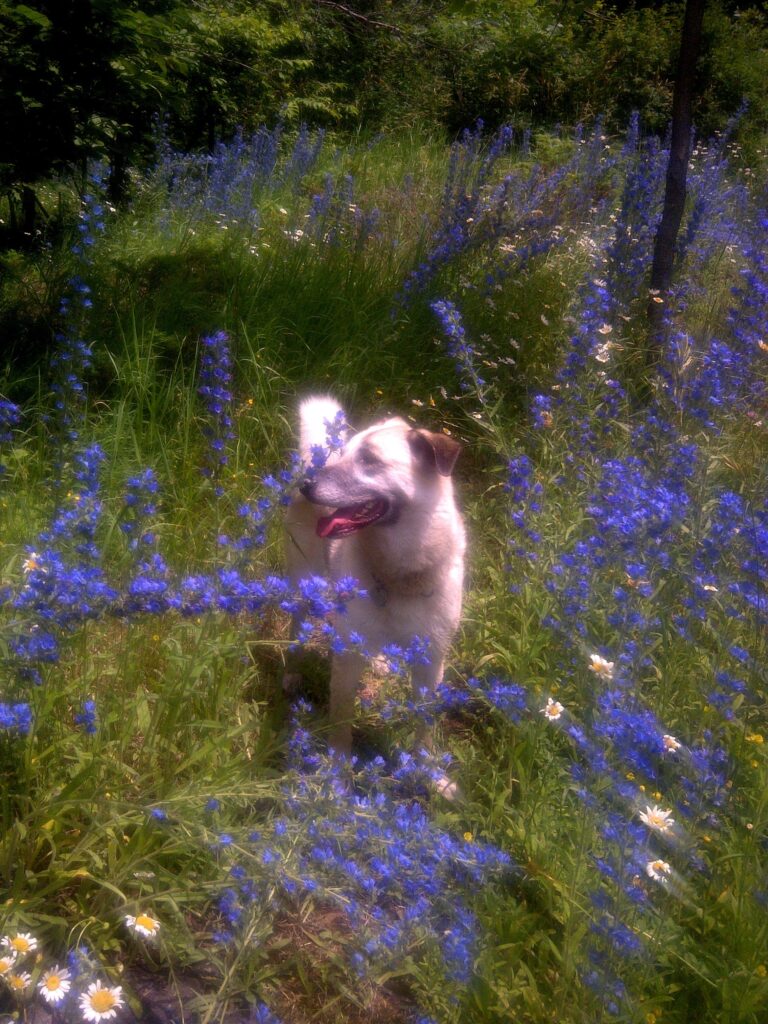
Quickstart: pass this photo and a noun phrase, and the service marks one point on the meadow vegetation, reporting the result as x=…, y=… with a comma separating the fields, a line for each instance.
x=172, y=830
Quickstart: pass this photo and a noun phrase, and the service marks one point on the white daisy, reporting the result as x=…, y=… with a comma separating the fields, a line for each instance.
x=144, y=924
x=657, y=819
x=7, y=960
x=671, y=744
x=603, y=352
x=600, y=666
x=54, y=984
x=658, y=870
x=99, y=1002
x=553, y=710
x=33, y=562
x=21, y=943
x=18, y=983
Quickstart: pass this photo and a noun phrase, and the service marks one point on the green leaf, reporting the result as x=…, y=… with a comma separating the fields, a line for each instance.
x=22, y=11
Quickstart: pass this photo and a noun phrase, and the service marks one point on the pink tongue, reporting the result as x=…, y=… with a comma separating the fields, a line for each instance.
x=328, y=526
x=350, y=518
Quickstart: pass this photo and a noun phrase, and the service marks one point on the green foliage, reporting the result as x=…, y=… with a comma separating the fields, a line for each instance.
x=736, y=71
x=82, y=79
x=626, y=61
x=251, y=63
x=504, y=61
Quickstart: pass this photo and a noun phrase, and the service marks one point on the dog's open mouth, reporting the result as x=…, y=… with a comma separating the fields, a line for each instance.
x=351, y=518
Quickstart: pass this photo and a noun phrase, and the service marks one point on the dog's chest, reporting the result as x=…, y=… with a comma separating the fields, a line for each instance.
x=419, y=585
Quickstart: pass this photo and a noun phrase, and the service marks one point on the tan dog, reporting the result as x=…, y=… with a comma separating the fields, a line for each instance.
x=381, y=510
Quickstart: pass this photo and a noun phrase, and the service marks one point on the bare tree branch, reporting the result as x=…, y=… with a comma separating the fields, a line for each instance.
x=350, y=13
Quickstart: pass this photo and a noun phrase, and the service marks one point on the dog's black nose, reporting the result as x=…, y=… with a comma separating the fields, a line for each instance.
x=307, y=489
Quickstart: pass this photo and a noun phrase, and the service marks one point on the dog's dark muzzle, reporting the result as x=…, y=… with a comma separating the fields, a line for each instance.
x=307, y=490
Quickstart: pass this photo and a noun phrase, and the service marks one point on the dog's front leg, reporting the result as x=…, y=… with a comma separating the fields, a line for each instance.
x=427, y=677
x=346, y=672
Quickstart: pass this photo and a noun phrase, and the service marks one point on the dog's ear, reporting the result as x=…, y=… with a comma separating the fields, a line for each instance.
x=440, y=450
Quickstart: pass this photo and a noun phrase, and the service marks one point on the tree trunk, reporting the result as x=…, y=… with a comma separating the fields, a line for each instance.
x=117, y=184
x=28, y=212
x=665, y=245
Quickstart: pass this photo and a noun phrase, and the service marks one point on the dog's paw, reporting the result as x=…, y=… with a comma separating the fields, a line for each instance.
x=447, y=789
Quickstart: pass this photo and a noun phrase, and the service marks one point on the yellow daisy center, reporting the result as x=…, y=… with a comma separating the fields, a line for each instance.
x=53, y=982
x=144, y=921
x=6, y=963
x=20, y=944
x=17, y=981
x=102, y=1000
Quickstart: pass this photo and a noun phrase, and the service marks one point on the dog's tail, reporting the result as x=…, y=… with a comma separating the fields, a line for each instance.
x=321, y=424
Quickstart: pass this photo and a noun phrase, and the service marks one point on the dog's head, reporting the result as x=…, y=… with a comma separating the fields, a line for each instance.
x=379, y=472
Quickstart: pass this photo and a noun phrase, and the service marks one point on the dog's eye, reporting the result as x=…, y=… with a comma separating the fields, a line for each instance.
x=368, y=459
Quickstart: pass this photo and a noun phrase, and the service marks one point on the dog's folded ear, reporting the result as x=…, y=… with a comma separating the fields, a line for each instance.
x=440, y=450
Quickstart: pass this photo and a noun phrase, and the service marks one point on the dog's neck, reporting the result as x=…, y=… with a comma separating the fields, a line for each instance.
x=406, y=559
